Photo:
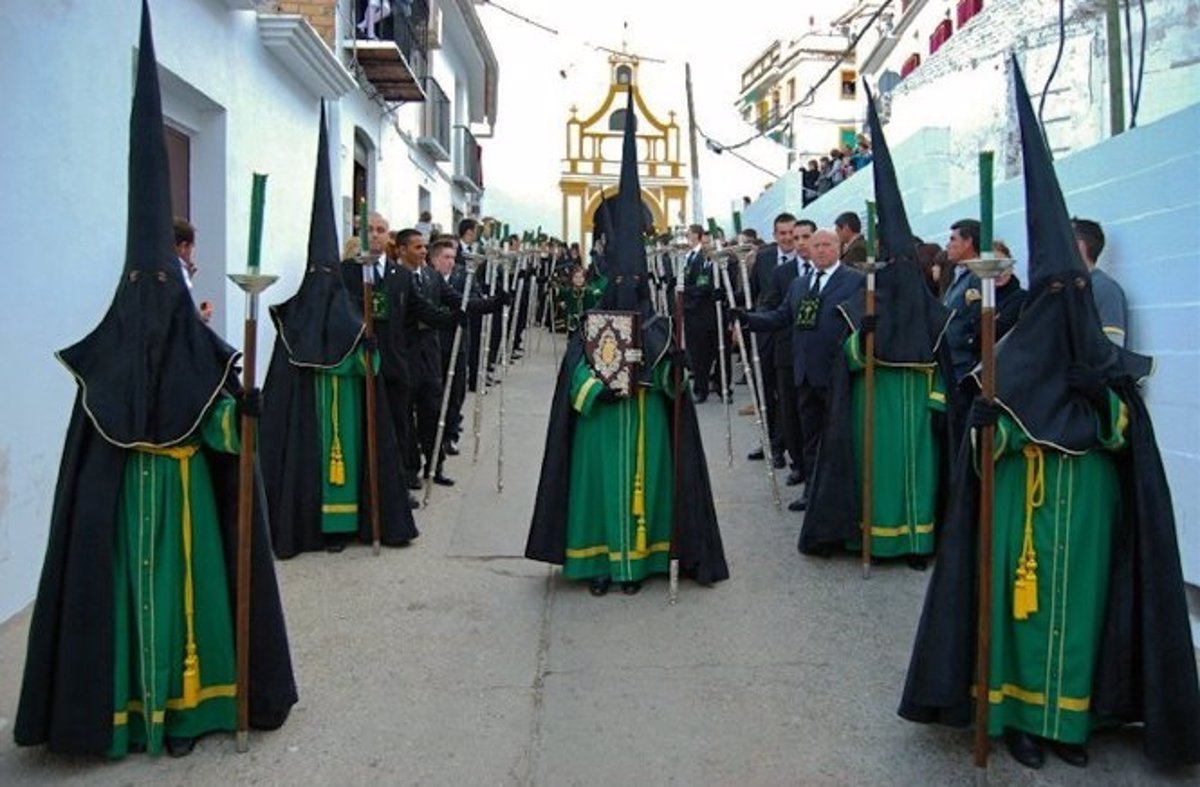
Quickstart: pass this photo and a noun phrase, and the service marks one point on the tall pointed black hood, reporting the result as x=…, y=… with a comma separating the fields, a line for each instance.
x=625, y=249
x=151, y=368
x=319, y=325
x=911, y=321
x=1059, y=324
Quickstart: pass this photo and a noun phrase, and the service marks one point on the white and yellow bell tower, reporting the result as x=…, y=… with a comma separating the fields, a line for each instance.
x=592, y=167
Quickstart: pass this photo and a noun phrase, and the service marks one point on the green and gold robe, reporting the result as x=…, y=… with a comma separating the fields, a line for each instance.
x=619, y=509
x=906, y=451
x=340, y=416
x=173, y=630
x=1054, y=519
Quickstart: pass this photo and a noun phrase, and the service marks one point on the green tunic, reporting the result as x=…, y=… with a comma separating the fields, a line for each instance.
x=575, y=301
x=602, y=519
x=906, y=453
x=170, y=594
x=340, y=414
x=1042, y=665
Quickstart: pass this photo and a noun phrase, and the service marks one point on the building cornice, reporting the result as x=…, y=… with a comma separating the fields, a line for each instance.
x=302, y=51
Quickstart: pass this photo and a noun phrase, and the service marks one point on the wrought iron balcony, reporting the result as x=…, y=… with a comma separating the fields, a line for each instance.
x=435, y=121
x=468, y=160
x=395, y=62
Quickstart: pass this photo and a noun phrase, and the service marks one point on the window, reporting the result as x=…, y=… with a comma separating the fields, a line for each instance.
x=624, y=75
x=910, y=65
x=849, y=85
x=968, y=9
x=792, y=90
x=847, y=137
x=179, y=161
x=616, y=121
x=941, y=34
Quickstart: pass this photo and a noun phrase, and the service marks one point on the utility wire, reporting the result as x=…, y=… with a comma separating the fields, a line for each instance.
x=1062, y=45
x=808, y=97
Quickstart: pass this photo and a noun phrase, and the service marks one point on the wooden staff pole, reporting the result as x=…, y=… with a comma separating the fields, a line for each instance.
x=868, y=452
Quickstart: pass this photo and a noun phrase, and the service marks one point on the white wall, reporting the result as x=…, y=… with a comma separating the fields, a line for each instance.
x=1144, y=188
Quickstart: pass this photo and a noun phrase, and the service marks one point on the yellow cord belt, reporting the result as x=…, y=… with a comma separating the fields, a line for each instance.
x=1025, y=588
x=639, y=479
x=191, y=659
x=337, y=462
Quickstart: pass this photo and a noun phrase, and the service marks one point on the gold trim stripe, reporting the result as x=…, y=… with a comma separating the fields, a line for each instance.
x=601, y=549
x=584, y=390
x=1012, y=691
x=339, y=508
x=218, y=691
x=901, y=530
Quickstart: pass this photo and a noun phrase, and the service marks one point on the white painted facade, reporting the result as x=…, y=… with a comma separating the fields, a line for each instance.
x=1144, y=188
x=245, y=87
x=782, y=75
x=965, y=85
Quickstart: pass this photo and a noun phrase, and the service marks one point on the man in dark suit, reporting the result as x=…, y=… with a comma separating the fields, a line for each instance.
x=799, y=266
x=426, y=350
x=764, y=296
x=810, y=308
x=699, y=315
x=849, y=233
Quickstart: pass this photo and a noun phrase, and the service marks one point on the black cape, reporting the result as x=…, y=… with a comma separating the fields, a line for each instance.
x=290, y=443
x=1146, y=670
x=700, y=552
x=67, y=692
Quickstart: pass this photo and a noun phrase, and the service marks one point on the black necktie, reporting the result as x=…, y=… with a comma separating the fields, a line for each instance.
x=806, y=268
x=816, y=285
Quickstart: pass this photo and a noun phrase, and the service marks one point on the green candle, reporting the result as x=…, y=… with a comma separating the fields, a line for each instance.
x=872, y=251
x=737, y=222
x=986, y=160
x=258, y=196
x=363, y=231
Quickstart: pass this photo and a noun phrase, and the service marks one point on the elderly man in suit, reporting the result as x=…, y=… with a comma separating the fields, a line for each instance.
x=809, y=309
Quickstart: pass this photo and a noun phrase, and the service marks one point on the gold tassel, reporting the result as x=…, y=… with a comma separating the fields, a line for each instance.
x=191, y=661
x=1025, y=587
x=337, y=462
x=639, y=483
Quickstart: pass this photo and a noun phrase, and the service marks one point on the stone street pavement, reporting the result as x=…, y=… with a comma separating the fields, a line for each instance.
x=457, y=662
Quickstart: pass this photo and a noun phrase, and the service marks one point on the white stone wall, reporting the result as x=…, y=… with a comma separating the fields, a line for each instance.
x=68, y=85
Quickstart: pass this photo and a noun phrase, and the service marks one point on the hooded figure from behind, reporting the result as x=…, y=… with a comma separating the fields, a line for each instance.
x=607, y=508
x=911, y=449
x=1089, y=625
x=131, y=645
x=313, y=429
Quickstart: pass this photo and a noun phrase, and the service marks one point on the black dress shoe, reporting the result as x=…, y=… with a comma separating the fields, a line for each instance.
x=443, y=480
x=918, y=562
x=136, y=748
x=414, y=483
x=599, y=586
x=451, y=449
x=180, y=747
x=1024, y=748
x=701, y=398
x=779, y=462
x=795, y=478
x=335, y=546
x=1070, y=753
x=798, y=505
x=413, y=502
x=631, y=588
x=755, y=455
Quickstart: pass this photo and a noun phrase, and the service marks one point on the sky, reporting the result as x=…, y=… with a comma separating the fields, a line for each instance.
x=522, y=162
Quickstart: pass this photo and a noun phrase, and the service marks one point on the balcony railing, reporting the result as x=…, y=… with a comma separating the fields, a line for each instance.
x=468, y=160
x=395, y=61
x=435, y=121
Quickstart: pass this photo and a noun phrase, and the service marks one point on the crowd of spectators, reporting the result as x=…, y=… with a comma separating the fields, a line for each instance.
x=823, y=175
